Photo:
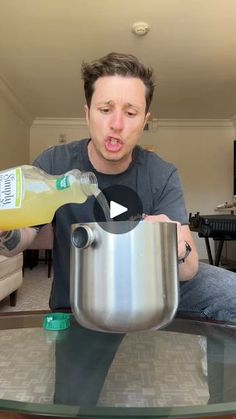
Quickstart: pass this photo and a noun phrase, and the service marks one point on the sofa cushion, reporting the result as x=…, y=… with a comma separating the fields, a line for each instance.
x=10, y=265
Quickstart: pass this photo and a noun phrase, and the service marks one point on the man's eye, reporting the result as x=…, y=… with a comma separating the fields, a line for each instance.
x=130, y=113
x=104, y=110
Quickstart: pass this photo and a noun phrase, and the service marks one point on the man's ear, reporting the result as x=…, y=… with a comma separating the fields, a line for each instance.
x=146, y=119
x=86, y=109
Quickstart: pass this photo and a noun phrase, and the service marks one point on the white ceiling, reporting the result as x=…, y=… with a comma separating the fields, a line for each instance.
x=191, y=46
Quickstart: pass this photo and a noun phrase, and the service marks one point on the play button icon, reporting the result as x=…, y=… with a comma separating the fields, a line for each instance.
x=124, y=205
x=116, y=209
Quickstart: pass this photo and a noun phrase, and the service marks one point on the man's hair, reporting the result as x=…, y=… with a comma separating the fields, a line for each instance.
x=112, y=64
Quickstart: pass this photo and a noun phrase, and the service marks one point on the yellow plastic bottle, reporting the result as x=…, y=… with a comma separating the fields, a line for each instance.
x=29, y=196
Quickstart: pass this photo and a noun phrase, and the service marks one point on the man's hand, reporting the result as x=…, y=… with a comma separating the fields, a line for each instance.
x=189, y=268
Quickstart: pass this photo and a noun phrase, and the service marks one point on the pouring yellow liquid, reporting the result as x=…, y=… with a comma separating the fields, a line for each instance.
x=30, y=197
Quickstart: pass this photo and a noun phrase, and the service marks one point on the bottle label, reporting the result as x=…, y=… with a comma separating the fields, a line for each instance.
x=11, y=189
x=63, y=183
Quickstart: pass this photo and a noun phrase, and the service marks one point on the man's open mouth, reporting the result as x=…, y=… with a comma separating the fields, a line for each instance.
x=113, y=144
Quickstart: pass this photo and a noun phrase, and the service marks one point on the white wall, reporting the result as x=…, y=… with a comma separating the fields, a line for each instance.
x=201, y=149
x=45, y=133
x=15, y=124
x=203, y=153
x=14, y=137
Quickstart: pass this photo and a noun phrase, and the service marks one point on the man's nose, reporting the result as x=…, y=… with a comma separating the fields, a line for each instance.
x=117, y=121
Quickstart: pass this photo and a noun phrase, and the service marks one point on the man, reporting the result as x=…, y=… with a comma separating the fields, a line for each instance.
x=118, y=91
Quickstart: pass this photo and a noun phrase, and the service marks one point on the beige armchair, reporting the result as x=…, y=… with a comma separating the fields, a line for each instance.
x=11, y=277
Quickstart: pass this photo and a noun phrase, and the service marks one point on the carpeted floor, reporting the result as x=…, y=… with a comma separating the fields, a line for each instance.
x=34, y=293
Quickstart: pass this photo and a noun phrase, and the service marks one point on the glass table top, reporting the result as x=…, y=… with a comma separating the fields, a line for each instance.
x=187, y=369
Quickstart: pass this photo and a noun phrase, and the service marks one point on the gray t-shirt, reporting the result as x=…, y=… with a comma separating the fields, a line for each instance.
x=155, y=181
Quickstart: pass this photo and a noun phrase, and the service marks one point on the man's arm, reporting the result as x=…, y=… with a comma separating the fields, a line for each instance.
x=15, y=241
x=188, y=269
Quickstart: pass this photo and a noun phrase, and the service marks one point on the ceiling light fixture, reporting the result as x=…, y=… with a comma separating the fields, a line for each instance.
x=140, y=28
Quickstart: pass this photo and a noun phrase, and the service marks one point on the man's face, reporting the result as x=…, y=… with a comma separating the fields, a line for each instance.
x=116, y=119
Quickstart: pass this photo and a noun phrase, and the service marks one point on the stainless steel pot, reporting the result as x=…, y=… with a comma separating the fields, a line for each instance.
x=124, y=282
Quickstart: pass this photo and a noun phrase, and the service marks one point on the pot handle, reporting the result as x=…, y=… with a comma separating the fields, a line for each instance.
x=82, y=236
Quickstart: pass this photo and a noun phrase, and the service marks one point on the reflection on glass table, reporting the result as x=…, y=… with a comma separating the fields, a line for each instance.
x=188, y=368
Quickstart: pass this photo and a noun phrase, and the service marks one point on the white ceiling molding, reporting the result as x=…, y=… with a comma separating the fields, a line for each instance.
x=14, y=102
x=60, y=122
x=234, y=121
x=198, y=123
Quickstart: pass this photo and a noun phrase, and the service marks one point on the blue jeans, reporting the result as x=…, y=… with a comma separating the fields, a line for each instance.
x=211, y=294
x=83, y=357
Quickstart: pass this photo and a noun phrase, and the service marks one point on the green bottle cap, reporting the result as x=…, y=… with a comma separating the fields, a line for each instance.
x=56, y=321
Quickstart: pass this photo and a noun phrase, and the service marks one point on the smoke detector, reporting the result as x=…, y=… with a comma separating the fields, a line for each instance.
x=140, y=28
